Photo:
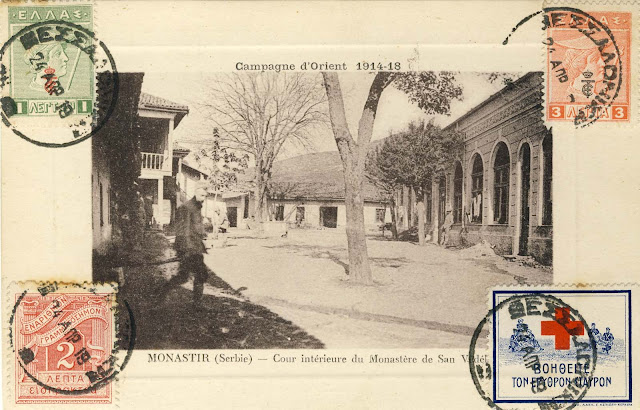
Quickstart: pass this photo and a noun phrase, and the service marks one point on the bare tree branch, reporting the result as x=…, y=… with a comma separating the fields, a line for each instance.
x=261, y=113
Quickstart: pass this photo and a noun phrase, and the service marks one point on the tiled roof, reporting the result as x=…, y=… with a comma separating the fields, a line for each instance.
x=315, y=176
x=180, y=149
x=151, y=101
x=193, y=164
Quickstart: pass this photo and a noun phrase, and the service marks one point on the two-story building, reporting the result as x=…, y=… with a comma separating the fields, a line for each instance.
x=133, y=157
x=157, y=118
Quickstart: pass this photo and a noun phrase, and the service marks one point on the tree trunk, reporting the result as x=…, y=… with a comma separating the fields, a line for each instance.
x=421, y=220
x=394, y=217
x=261, y=197
x=353, y=155
x=359, y=268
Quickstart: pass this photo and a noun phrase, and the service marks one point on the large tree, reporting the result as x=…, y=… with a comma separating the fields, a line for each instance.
x=385, y=183
x=259, y=113
x=413, y=157
x=431, y=91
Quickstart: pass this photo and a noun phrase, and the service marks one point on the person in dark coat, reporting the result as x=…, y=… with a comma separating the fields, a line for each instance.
x=148, y=209
x=189, y=246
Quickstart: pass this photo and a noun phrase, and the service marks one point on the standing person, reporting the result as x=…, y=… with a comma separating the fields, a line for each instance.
x=140, y=221
x=148, y=209
x=189, y=246
x=220, y=225
x=446, y=227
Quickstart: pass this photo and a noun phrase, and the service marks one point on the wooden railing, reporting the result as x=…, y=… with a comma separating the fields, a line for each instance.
x=152, y=160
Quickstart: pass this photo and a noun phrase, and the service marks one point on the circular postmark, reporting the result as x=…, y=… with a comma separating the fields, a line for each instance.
x=69, y=344
x=59, y=83
x=585, y=64
x=523, y=371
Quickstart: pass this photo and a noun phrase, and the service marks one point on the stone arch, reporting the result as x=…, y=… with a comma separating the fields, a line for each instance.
x=500, y=182
x=476, y=169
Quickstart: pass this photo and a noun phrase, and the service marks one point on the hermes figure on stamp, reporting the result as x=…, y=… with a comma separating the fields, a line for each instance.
x=45, y=59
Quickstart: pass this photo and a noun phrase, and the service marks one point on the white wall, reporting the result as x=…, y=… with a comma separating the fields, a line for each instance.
x=312, y=212
x=101, y=233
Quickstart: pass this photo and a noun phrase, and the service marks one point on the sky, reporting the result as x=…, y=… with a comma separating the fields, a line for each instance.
x=395, y=112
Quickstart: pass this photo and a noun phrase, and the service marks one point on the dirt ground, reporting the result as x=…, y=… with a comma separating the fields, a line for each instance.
x=422, y=296
x=293, y=292
x=228, y=321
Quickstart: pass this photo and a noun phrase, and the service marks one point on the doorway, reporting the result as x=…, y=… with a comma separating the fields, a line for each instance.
x=525, y=182
x=329, y=216
x=232, y=216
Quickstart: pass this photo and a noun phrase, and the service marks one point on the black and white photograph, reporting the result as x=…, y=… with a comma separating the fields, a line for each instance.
x=284, y=209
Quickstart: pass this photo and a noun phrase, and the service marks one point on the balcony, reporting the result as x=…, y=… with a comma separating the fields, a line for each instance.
x=152, y=161
x=154, y=165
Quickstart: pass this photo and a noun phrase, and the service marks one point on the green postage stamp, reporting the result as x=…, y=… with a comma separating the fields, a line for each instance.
x=47, y=74
x=59, y=82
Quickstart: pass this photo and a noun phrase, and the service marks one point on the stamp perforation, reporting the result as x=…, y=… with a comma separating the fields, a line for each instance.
x=78, y=308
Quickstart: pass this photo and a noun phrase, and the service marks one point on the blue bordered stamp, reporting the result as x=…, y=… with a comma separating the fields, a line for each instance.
x=557, y=348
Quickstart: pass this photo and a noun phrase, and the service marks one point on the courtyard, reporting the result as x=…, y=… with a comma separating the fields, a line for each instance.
x=422, y=296
x=425, y=296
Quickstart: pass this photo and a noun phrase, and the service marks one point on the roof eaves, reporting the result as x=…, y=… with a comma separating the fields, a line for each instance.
x=491, y=98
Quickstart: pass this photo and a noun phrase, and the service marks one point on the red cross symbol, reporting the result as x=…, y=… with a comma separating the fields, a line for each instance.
x=562, y=328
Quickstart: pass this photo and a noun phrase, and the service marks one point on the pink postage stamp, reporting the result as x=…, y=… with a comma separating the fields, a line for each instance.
x=588, y=65
x=65, y=345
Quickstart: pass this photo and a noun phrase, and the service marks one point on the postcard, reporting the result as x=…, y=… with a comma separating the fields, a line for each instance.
x=286, y=205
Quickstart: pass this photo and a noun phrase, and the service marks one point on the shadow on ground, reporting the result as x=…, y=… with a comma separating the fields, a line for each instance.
x=226, y=322
x=337, y=255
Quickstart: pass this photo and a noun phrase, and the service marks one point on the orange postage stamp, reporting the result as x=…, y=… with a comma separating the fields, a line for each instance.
x=65, y=343
x=588, y=65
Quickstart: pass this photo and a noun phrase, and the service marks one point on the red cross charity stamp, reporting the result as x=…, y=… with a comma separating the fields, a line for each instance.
x=588, y=65
x=557, y=348
x=64, y=342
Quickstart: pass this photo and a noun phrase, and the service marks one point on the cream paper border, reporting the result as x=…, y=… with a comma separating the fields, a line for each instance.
x=46, y=191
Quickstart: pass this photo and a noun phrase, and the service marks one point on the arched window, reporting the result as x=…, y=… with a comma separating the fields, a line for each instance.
x=501, y=184
x=547, y=170
x=476, y=189
x=428, y=202
x=442, y=199
x=457, y=194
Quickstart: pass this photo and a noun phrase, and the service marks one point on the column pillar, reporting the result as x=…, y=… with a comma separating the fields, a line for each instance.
x=160, y=201
x=435, y=204
x=179, y=183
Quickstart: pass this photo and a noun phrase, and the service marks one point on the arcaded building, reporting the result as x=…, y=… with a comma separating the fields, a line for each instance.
x=500, y=190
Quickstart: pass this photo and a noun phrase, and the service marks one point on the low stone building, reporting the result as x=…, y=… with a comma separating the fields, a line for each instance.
x=307, y=191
